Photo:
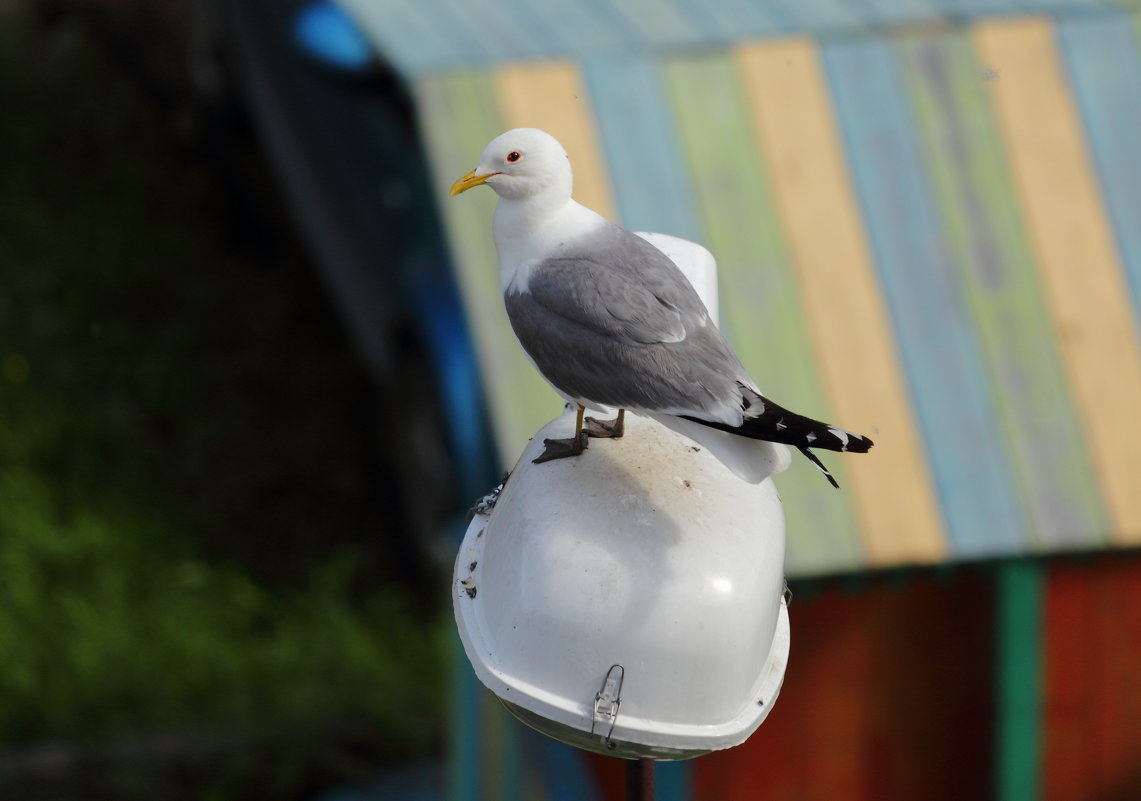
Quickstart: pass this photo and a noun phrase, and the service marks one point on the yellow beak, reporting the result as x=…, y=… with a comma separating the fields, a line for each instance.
x=468, y=181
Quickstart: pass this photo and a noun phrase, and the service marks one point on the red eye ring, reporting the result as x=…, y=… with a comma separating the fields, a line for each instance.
x=514, y=156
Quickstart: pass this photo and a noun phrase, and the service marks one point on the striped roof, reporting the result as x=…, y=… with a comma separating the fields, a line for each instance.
x=931, y=233
x=419, y=36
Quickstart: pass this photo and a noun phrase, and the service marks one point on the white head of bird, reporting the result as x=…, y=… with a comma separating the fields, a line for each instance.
x=521, y=164
x=531, y=173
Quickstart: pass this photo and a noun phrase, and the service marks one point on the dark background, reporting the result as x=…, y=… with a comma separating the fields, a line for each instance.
x=206, y=587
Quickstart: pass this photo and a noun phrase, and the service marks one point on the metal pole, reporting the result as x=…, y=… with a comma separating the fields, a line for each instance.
x=640, y=780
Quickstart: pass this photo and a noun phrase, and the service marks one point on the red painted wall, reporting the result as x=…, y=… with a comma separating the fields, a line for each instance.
x=1092, y=707
x=887, y=696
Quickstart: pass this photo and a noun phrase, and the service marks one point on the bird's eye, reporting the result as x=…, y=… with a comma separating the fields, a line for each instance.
x=514, y=156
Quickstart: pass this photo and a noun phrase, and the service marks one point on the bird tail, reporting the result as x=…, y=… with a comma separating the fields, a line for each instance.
x=777, y=424
x=819, y=465
x=774, y=423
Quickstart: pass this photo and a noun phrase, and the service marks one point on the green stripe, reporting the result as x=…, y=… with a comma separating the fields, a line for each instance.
x=759, y=299
x=1020, y=588
x=994, y=267
x=460, y=115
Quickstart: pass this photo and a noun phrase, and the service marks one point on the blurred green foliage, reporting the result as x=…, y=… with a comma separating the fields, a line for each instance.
x=108, y=628
x=175, y=474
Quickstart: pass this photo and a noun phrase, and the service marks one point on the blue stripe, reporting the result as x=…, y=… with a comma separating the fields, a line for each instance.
x=651, y=23
x=640, y=142
x=549, y=32
x=730, y=20
x=816, y=14
x=968, y=8
x=443, y=323
x=694, y=21
x=942, y=357
x=568, y=29
x=497, y=30
x=566, y=774
x=410, y=39
x=1105, y=70
x=898, y=11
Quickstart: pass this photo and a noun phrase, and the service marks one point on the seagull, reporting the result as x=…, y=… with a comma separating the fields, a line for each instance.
x=611, y=322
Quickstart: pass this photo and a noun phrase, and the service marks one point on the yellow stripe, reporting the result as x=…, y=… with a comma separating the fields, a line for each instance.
x=1075, y=252
x=551, y=96
x=899, y=516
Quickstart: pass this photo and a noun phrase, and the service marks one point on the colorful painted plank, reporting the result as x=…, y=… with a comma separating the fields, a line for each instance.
x=641, y=147
x=761, y=308
x=994, y=268
x=1075, y=252
x=941, y=353
x=846, y=315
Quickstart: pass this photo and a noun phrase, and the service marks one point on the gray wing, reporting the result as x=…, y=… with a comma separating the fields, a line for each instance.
x=614, y=321
x=620, y=286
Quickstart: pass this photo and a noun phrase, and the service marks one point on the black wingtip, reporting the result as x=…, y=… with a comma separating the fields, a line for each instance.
x=819, y=466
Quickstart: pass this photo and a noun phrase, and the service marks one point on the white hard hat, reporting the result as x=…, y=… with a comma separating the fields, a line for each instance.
x=629, y=600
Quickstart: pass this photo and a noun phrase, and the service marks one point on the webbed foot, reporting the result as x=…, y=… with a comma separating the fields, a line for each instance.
x=562, y=448
x=606, y=429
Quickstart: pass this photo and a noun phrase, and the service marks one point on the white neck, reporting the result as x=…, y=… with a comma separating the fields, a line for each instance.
x=527, y=231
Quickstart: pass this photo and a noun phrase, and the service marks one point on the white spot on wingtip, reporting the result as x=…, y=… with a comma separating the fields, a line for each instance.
x=841, y=435
x=810, y=436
